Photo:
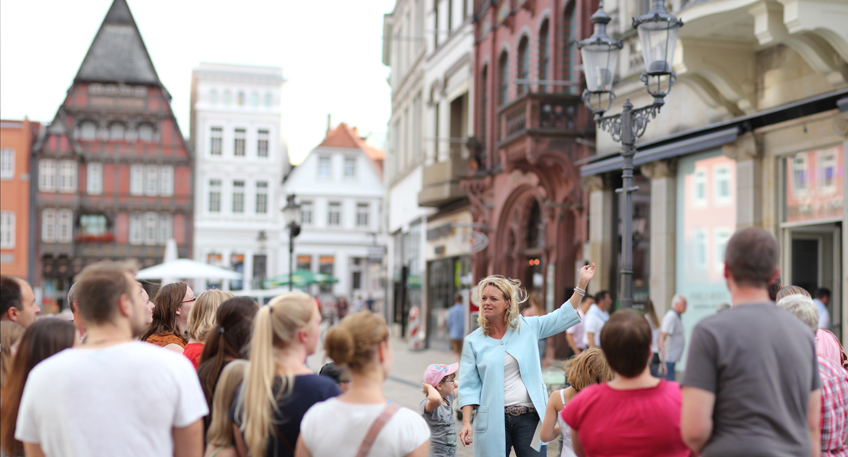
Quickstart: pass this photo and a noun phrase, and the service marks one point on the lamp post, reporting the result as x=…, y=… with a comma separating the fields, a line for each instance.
x=657, y=31
x=291, y=214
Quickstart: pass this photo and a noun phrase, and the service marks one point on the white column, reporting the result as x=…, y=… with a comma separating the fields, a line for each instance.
x=749, y=180
x=663, y=225
x=600, y=231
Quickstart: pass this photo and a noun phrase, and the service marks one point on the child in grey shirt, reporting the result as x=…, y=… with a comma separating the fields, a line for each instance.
x=440, y=388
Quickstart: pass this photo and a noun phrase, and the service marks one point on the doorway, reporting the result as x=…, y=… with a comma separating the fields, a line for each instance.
x=813, y=260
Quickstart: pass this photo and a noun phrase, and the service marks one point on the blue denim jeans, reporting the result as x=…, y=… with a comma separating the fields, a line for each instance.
x=670, y=368
x=519, y=434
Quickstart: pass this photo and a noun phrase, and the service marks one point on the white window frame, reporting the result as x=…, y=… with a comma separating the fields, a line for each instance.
x=721, y=235
x=363, y=213
x=65, y=225
x=216, y=141
x=166, y=180
x=325, y=159
x=240, y=142
x=68, y=176
x=7, y=163
x=718, y=171
x=261, y=197
x=166, y=228
x=137, y=179
x=48, y=225
x=215, y=188
x=307, y=209
x=826, y=159
x=88, y=130
x=241, y=194
x=113, y=134
x=349, y=168
x=136, y=234
x=700, y=240
x=331, y=221
x=699, y=179
x=47, y=175
x=152, y=132
x=94, y=178
x=7, y=230
x=797, y=163
x=151, y=180
x=151, y=229
x=263, y=138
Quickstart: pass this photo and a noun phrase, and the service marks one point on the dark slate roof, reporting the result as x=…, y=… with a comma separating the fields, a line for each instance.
x=117, y=53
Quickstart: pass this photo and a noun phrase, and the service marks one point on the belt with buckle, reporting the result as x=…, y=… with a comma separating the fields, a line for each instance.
x=518, y=410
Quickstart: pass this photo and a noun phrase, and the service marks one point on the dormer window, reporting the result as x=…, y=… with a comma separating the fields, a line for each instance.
x=88, y=130
x=145, y=132
x=117, y=131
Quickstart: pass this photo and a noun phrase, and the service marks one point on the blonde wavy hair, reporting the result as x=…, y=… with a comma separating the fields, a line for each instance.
x=513, y=294
x=274, y=328
x=354, y=341
x=201, y=318
x=220, y=432
x=590, y=367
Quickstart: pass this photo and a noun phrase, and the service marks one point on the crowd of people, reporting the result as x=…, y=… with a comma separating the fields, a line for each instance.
x=216, y=375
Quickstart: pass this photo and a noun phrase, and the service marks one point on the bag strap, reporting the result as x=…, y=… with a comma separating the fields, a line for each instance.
x=283, y=438
x=376, y=426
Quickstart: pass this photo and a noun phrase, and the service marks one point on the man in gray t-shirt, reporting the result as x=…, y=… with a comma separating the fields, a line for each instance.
x=751, y=386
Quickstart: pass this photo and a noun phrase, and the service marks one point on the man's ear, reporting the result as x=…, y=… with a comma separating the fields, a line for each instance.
x=125, y=305
x=12, y=313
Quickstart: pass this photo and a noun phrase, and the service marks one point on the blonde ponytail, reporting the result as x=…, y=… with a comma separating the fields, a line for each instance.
x=274, y=328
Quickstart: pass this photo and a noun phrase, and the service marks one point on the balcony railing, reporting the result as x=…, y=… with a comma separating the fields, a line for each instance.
x=440, y=180
x=540, y=114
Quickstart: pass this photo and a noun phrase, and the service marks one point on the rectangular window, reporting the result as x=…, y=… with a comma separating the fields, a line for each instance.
x=7, y=230
x=216, y=141
x=94, y=178
x=151, y=180
x=65, y=231
x=48, y=225
x=699, y=194
x=166, y=180
x=357, y=280
x=137, y=179
x=166, y=228
x=324, y=167
x=722, y=235
x=150, y=233
x=68, y=176
x=260, y=267
x=214, y=195
x=827, y=172
x=304, y=263
x=7, y=163
x=136, y=229
x=700, y=248
x=722, y=184
x=262, y=143
x=239, y=142
x=362, y=210
x=47, y=175
x=262, y=197
x=93, y=225
x=799, y=175
x=334, y=214
x=238, y=196
x=305, y=213
x=350, y=167
x=325, y=265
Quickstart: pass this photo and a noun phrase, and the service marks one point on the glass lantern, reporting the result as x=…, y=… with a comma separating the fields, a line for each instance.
x=600, y=58
x=658, y=34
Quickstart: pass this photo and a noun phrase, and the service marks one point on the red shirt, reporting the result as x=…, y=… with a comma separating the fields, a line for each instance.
x=633, y=423
x=192, y=351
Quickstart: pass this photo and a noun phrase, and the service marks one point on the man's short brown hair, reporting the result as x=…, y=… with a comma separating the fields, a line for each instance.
x=99, y=287
x=626, y=342
x=751, y=257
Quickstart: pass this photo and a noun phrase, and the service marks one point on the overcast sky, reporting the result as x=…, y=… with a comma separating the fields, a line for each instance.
x=330, y=52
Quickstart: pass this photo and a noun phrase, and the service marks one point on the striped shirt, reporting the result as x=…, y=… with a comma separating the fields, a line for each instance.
x=834, y=408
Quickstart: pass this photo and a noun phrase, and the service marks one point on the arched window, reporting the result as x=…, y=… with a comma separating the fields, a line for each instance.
x=254, y=99
x=268, y=99
x=523, y=64
x=228, y=97
x=535, y=228
x=544, y=55
x=213, y=97
x=569, y=46
x=88, y=130
x=240, y=98
x=117, y=132
x=145, y=132
x=503, y=78
x=484, y=103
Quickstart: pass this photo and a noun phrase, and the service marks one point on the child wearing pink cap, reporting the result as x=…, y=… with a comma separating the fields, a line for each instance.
x=440, y=388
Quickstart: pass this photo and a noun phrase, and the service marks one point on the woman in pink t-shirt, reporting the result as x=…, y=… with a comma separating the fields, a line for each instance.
x=635, y=414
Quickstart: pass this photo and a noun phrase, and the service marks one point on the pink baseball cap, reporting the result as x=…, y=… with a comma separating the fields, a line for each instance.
x=436, y=372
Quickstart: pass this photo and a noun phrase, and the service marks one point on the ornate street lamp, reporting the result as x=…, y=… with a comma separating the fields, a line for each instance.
x=658, y=34
x=291, y=214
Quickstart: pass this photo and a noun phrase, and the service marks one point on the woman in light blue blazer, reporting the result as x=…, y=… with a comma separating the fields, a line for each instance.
x=500, y=373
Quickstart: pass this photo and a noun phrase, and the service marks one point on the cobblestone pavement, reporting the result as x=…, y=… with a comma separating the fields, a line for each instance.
x=404, y=383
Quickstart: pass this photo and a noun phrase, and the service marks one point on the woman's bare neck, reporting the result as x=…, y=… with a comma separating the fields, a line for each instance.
x=365, y=388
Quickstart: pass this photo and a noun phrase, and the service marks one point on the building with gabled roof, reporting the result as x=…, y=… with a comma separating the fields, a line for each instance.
x=340, y=189
x=112, y=174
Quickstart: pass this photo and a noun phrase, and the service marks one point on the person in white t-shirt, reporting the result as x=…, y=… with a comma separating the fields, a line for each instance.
x=112, y=395
x=596, y=318
x=338, y=427
x=672, y=339
x=576, y=335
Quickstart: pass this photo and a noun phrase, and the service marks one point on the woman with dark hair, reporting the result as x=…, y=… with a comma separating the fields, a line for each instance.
x=41, y=340
x=226, y=342
x=630, y=400
x=170, y=317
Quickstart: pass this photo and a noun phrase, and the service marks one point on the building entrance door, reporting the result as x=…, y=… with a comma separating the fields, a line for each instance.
x=812, y=260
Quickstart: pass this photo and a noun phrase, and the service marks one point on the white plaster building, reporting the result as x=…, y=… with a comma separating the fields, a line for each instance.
x=339, y=187
x=240, y=162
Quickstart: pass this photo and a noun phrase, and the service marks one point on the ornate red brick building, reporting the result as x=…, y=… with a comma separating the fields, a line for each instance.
x=112, y=173
x=524, y=183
